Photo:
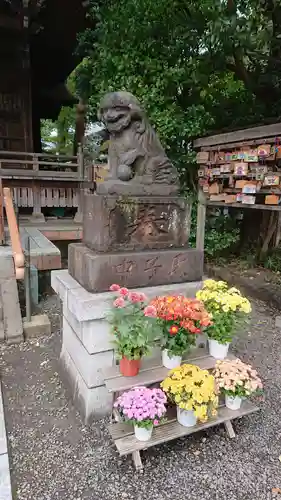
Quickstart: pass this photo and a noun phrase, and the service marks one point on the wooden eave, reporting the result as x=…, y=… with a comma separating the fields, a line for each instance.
x=266, y=133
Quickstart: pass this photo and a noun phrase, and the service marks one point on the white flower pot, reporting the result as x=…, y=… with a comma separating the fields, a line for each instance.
x=217, y=350
x=143, y=434
x=186, y=418
x=170, y=362
x=233, y=403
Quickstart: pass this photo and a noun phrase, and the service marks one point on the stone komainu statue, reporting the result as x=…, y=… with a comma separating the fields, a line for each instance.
x=135, y=152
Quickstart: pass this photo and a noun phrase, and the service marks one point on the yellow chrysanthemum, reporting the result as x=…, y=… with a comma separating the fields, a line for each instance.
x=192, y=389
x=217, y=296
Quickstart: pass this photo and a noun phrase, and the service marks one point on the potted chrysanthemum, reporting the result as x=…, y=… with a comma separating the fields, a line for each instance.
x=180, y=319
x=236, y=380
x=144, y=408
x=193, y=391
x=228, y=308
x=133, y=327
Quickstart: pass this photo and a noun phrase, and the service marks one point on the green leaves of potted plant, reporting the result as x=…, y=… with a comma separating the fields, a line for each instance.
x=228, y=309
x=133, y=330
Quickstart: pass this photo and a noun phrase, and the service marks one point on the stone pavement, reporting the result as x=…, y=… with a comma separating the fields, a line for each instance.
x=5, y=482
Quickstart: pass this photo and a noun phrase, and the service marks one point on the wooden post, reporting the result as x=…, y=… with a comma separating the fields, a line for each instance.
x=36, y=190
x=80, y=173
x=2, y=230
x=80, y=161
x=37, y=214
x=27, y=281
x=201, y=220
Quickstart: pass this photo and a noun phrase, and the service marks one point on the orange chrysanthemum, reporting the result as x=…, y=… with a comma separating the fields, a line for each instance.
x=173, y=330
x=189, y=314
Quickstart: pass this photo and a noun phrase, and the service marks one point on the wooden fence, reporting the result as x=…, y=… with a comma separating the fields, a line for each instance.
x=40, y=180
x=49, y=197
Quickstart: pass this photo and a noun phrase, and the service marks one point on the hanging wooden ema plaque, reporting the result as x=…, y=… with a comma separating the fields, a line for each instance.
x=202, y=157
x=272, y=199
x=240, y=168
x=263, y=151
x=226, y=168
x=271, y=180
x=251, y=156
x=249, y=188
x=240, y=184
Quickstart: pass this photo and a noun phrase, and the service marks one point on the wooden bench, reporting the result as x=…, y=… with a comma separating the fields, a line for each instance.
x=152, y=372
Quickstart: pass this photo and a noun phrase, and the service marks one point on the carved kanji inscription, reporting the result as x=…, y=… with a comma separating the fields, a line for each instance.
x=126, y=267
x=178, y=264
x=151, y=266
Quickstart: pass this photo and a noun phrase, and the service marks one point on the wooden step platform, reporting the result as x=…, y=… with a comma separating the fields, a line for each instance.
x=126, y=443
x=153, y=372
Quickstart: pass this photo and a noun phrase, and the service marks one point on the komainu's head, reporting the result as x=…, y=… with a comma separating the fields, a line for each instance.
x=118, y=109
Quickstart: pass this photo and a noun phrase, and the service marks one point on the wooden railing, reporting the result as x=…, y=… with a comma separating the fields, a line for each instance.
x=41, y=165
x=18, y=255
x=42, y=180
x=39, y=180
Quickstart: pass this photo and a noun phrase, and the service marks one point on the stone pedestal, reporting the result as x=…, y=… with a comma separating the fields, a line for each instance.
x=96, y=272
x=86, y=339
x=134, y=241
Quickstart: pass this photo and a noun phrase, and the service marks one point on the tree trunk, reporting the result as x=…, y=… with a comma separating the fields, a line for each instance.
x=271, y=228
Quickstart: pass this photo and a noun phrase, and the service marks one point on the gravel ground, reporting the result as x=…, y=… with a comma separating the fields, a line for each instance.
x=53, y=456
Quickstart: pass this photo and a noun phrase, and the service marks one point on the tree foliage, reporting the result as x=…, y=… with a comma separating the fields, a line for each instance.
x=58, y=136
x=222, y=233
x=197, y=65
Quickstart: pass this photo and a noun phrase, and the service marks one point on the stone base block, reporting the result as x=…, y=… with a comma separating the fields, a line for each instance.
x=92, y=403
x=37, y=217
x=96, y=272
x=38, y=325
x=86, y=340
x=94, y=335
x=78, y=217
x=11, y=329
x=89, y=364
x=88, y=307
